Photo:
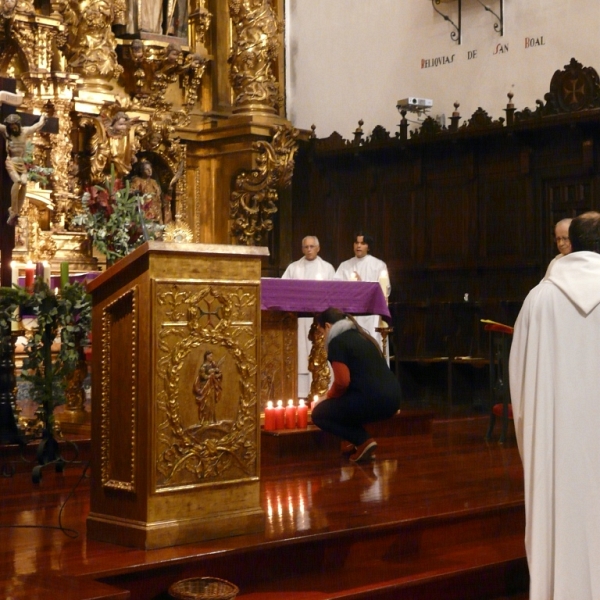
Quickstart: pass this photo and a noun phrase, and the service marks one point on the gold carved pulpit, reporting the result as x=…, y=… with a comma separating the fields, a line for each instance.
x=175, y=410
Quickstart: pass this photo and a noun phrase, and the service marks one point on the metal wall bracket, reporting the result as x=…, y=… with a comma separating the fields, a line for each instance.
x=455, y=35
x=499, y=24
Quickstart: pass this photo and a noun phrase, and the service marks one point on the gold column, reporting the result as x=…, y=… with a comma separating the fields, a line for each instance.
x=255, y=48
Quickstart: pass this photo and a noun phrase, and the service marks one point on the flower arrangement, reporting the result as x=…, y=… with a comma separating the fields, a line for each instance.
x=114, y=217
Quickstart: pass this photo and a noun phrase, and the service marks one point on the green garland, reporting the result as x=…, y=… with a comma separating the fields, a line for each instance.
x=69, y=313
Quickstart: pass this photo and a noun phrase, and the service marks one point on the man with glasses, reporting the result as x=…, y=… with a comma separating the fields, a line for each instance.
x=563, y=243
x=312, y=267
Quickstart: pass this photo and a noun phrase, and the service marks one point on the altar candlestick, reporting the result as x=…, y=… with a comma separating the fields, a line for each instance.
x=279, y=415
x=29, y=275
x=14, y=273
x=384, y=282
x=47, y=274
x=14, y=322
x=14, y=279
x=302, y=415
x=64, y=274
x=290, y=415
x=270, y=424
x=314, y=402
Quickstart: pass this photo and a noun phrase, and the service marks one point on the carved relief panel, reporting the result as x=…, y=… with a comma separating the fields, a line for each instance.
x=207, y=359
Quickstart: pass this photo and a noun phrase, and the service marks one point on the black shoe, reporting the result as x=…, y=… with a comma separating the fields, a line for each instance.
x=365, y=451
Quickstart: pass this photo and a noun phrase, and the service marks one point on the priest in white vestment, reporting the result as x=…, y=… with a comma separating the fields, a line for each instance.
x=313, y=267
x=563, y=243
x=554, y=373
x=365, y=267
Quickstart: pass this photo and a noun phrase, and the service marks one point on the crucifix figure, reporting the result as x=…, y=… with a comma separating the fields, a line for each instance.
x=9, y=101
x=16, y=137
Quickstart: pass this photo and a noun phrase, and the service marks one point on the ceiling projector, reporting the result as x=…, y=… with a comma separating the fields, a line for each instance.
x=414, y=103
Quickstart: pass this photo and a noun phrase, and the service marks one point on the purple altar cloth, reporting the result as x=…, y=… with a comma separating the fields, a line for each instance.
x=309, y=297
x=55, y=279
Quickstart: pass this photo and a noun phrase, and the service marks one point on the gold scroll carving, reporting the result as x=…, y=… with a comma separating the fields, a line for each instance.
x=317, y=362
x=254, y=197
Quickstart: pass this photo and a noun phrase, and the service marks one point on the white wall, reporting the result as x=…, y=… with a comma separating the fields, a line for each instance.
x=353, y=59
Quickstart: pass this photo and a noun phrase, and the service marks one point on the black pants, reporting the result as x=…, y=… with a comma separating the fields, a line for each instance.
x=346, y=415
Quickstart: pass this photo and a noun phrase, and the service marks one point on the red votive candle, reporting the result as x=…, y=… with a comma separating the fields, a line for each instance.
x=29, y=275
x=279, y=415
x=302, y=415
x=270, y=424
x=290, y=415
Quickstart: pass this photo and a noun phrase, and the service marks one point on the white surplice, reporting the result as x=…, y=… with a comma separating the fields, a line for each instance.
x=368, y=268
x=554, y=374
x=317, y=269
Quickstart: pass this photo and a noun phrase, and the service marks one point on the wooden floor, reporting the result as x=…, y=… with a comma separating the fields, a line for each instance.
x=434, y=516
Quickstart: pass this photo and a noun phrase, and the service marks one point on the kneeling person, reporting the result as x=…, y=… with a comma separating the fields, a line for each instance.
x=364, y=389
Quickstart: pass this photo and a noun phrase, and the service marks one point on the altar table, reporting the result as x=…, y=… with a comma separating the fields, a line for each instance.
x=282, y=301
x=305, y=298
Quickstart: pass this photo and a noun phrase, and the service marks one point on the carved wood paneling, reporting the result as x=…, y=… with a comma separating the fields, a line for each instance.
x=119, y=381
x=454, y=212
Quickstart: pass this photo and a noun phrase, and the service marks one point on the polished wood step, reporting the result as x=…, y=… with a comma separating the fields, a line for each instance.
x=416, y=559
x=433, y=515
x=405, y=422
x=52, y=585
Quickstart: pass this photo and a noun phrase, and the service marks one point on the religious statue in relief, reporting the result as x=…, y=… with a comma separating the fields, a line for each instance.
x=208, y=388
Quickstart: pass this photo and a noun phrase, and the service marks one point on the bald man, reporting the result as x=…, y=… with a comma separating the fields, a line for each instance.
x=310, y=266
x=563, y=243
